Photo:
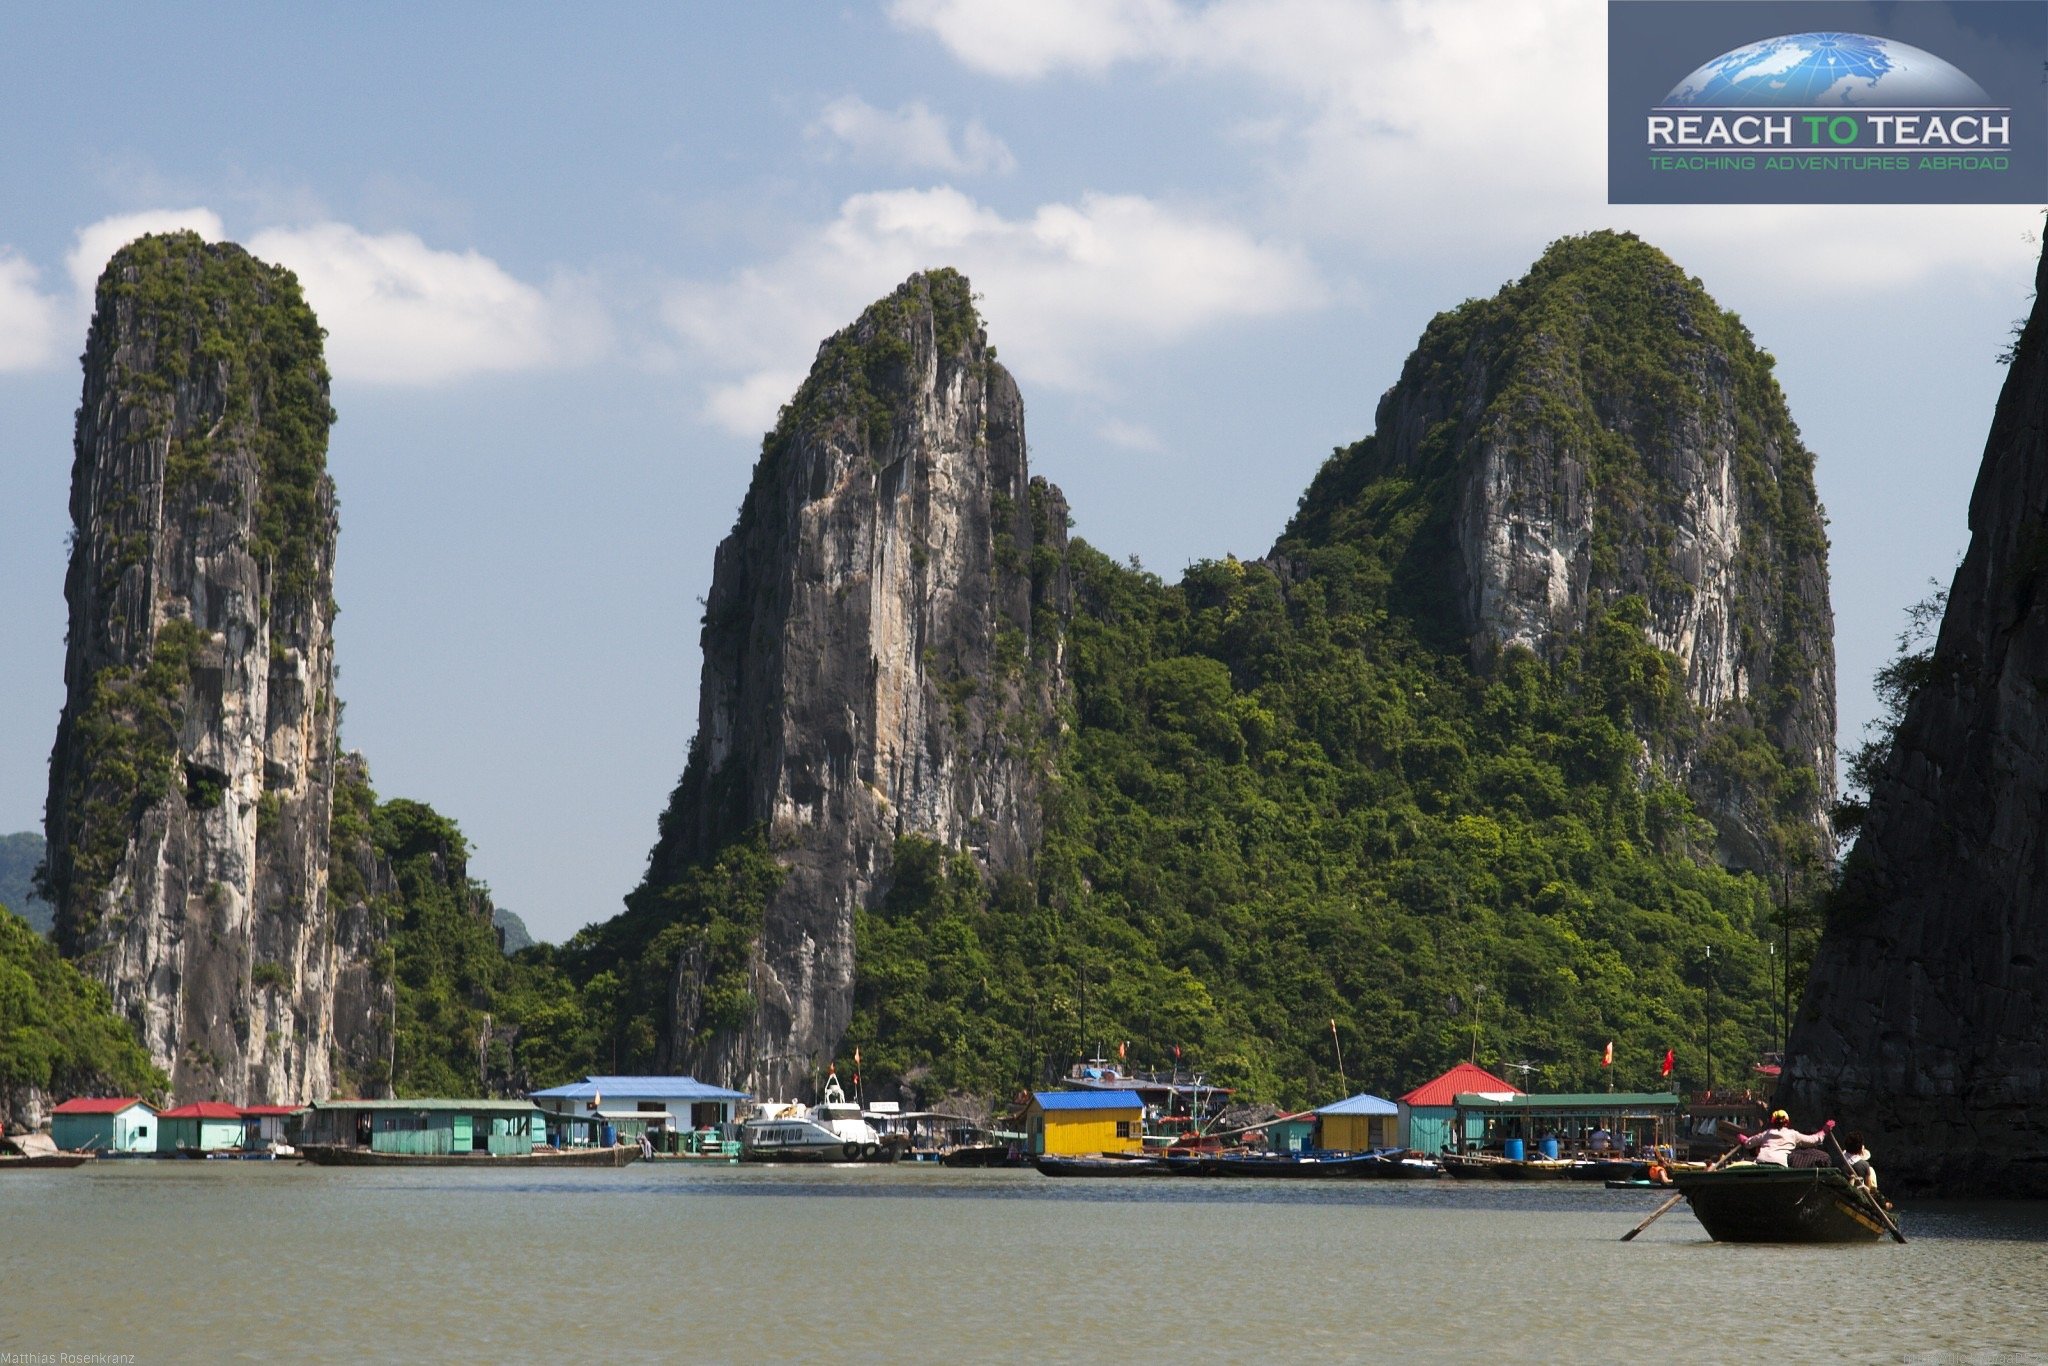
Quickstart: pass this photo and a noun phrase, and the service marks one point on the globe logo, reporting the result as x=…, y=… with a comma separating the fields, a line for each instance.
x=1827, y=70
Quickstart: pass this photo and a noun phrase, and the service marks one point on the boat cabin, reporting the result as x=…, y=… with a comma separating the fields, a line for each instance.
x=436, y=1127
x=206, y=1126
x=669, y=1110
x=1626, y=1122
x=112, y=1124
x=1078, y=1123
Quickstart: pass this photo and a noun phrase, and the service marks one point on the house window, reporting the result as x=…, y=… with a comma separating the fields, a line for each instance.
x=1127, y=1128
x=142, y=1131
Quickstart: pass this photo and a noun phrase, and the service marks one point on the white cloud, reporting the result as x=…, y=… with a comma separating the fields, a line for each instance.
x=912, y=138
x=1067, y=290
x=400, y=312
x=1030, y=38
x=1402, y=129
x=97, y=242
x=396, y=310
x=1132, y=436
x=28, y=317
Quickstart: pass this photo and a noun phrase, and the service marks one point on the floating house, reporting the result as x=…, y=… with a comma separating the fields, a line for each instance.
x=115, y=1124
x=1077, y=1123
x=206, y=1126
x=660, y=1107
x=1429, y=1113
x=1175, y=1103
x=1294, y=1134
x=1633, y=1120
x=436, y=1127
x=1358, y=1124
x=266, y=1124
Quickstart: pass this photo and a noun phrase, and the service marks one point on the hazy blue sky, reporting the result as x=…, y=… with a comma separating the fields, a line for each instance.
x=572, y=259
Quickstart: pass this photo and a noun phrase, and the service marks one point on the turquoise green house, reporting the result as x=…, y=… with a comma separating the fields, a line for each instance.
x=205, y=1127
x=113, y=1124
x=433, y=1127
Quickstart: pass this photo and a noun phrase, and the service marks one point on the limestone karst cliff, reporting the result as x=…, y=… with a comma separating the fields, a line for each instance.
x=1925, y=1019
x=882, y=657
x=193, y=771
x=1601, y=429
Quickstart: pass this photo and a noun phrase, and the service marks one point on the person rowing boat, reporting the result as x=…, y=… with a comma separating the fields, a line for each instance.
x=1781, y=1145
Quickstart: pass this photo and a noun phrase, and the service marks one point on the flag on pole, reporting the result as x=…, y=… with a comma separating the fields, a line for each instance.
x=1123, y=1050
x=1670, y=1060
x=1176, y=1050
x=1607, y=1058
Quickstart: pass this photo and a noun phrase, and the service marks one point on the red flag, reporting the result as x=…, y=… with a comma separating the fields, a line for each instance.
x=1176, y=1050
x=1670, y=1061
x=1122, y=1050
x=1607, y=1058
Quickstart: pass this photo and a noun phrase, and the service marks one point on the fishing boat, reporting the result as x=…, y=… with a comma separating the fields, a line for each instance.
x=1750, y=1203
x=344, y=1155
x=1104, y=1164
x=36, y=1152
x=830, y=1131
x=1487, y=1167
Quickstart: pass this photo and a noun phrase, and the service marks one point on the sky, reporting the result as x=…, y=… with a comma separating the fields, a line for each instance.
x=571, y=259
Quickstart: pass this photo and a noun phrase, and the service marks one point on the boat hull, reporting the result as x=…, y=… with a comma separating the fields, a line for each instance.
x=330, y=1155
x=43, y=1162
x=1103, y=1166
x=1777, y=1205
x=1480, y=1167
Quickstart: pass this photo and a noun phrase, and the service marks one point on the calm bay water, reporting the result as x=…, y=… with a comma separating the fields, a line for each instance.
x=180, y=1261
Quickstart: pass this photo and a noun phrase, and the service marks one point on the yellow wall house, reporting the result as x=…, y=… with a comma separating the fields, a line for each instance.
x=1075, y=1123
x=1357, y=1125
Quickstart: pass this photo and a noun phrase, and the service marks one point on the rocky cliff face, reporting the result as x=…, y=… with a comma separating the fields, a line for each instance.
x=1924, y=1018
x=1601, y=429
x=882, y=657
x=192, y=777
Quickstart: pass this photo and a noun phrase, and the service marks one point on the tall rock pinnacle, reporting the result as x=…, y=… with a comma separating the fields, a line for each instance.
x=192, y=777
x=882, y=657
x=1601, y=429
x=1926, y=1013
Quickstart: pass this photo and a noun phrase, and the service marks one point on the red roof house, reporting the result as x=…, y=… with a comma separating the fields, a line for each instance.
x=1464, y=1078
x=203, y=1109
x=96, y=1105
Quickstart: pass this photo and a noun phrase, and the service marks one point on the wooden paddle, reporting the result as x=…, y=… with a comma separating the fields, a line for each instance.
x=1842, y=1160
x=1665, y=1208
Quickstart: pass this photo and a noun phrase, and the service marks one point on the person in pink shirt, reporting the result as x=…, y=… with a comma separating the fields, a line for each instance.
x=1781, y=1145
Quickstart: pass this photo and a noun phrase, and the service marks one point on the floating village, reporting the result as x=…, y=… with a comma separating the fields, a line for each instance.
x=1748, y=1176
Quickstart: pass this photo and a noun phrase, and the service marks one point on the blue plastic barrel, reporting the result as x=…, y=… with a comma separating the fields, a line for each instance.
x=1513, y=1150
x=1550, y=1148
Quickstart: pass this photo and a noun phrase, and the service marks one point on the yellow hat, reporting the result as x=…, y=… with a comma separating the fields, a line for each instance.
x=1780, y=1114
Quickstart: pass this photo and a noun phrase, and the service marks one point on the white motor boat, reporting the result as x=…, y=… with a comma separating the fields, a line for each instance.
x=830, y=1131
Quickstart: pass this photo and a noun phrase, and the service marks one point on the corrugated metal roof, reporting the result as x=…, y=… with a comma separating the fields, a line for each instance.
x=1464, y=1078
x=203, y=1109
x=477, y=1107
x=98, y=1105
x=650, y=1088
x=1088, y=1100
x=265, y=1111
x=1360, y=1104
x=1571, y=1100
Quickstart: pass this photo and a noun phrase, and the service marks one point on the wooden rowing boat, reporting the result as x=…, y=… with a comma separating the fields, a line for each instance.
x=1763, y=1204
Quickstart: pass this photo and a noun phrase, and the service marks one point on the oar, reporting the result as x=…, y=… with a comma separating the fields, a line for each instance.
x=1842, y=1161
x=1665, y=1208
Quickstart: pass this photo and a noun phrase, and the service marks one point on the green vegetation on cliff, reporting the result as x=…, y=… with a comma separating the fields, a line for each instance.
x=58, y=1030
x=1281, y=808
x=20, y=855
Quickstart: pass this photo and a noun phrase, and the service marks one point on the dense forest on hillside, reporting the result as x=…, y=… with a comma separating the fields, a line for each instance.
x=58, y=1030
x=1280, y=810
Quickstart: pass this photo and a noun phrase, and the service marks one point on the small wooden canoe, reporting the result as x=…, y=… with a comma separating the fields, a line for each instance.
x=1763, y=1204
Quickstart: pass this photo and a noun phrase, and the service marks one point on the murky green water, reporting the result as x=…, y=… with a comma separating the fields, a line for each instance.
x=179, y=1261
